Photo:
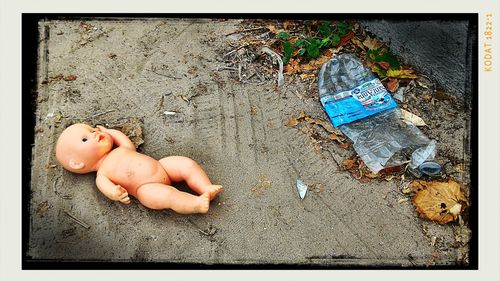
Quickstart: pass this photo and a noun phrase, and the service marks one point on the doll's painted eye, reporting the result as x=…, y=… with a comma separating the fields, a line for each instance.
x=84, y=140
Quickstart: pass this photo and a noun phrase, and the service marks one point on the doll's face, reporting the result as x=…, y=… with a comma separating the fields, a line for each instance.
x=80, y=147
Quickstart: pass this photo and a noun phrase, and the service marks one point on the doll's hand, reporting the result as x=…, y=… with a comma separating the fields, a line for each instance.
x=121, y=194
x=101, y=128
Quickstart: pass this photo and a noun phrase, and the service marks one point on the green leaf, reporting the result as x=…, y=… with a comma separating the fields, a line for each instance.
x=301, y=52
x=325, y=42
x=324, y=28
x=335, y=39
x=343, y=27
x=391, y=59
x=283, y=35
x=381, y=55
x=301, y=42
x=314, y=41
x=312, y=51
x=287, y=51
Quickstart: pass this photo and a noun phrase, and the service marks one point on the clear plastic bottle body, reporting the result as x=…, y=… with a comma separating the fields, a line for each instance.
x=381, y=138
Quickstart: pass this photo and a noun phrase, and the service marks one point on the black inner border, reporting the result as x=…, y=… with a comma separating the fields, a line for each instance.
x=30, y=44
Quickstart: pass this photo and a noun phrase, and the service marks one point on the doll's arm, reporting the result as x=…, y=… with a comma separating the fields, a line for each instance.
x=113, y=191
x=119, y=138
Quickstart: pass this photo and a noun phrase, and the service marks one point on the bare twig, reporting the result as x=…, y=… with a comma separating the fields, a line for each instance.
x=242, y=46
x=273, y=54
x=99, y=114
x=227, y=68
x=246, y=30
x=77, y=220
x=164, y=75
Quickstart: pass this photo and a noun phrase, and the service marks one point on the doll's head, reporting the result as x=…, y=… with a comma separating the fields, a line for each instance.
x=80, y=148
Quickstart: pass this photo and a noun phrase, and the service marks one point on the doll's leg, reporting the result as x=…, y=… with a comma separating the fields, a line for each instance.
x=180, y=168
x=160, y=196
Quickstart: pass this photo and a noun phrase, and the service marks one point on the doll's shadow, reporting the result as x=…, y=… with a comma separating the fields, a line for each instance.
x=182, y=186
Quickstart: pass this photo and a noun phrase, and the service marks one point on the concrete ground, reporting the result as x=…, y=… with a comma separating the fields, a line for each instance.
x=119, y=72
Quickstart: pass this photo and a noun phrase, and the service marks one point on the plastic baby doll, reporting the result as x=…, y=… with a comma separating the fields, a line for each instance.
x=121, y=171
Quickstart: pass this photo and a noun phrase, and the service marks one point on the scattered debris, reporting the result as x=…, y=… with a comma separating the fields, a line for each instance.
x=42, y=209
x=274, y=55
x=77, y=220
x=317, y=187
x=263, y=184
x=433, y=241
x=402, y=200
x=98, y=114
x=210, y=231
x=335, y=134
x=357, y=168
x=301, y=188
x=68, y=232
x=422, y=85
x=412, y=118
x=132, y=128
x=462, y=233
x=184, y=98
x=70, y=78
x=399, y=94
x=441, y=202
x=169, y=112
x=59, y=77
x=405, y=189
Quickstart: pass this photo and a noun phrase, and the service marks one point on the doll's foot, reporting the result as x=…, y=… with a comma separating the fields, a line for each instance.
x=204, y=202
x=213, y=190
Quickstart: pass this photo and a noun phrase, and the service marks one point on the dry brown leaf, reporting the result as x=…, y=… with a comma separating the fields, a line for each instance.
x=371, y=175
x=334, y=137
x=272, y=28
x=287, y=24
x=309, y=120
x=441, y=202
x=316, y=63
x=385, y=65
x=349, y=163
x=307, y=76
x=292, y=122
x=372, y=43
x=345, y=145
x=346, y=38
x=327, y=126
x=392, y=85
x=292, y=67
x=358, y=43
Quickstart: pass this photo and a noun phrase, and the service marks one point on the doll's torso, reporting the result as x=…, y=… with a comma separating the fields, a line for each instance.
x=131, y=169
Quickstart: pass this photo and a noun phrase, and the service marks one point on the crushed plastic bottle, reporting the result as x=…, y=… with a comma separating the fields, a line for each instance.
x=356, y=101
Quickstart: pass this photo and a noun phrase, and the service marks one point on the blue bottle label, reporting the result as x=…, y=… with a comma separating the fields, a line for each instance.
x=366, y=99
